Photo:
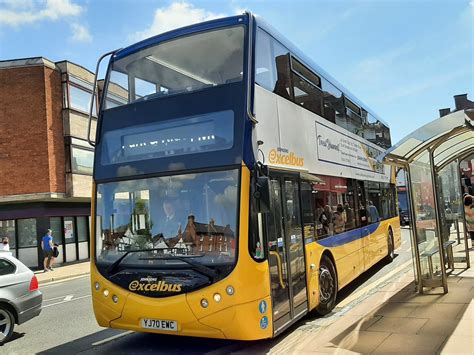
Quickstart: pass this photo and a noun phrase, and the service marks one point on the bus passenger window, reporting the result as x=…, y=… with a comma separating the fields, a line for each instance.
x=272, y=65
x=333, y=104
x=307, y=95
x=374, y=203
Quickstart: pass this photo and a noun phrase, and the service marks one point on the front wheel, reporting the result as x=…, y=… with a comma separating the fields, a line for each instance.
x=7, y=323
x=327, y=286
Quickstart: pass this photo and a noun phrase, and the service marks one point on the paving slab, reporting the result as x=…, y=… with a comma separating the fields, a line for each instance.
x=398, y=325
x=437, y=311
x=458, y=345
x=360, y=341
x=448, y=327
x=409, y=344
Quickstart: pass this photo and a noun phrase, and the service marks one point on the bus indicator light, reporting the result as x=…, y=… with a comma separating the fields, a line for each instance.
x=97, y=286
x=204, y=303
x=217, y=297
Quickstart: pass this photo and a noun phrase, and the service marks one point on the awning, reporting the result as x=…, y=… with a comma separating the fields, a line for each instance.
x=448, y=137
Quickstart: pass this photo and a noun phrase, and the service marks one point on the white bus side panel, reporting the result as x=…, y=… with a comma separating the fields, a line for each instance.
x=297, y=139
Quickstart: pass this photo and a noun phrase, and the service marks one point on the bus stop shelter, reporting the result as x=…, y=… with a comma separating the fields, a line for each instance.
x=430, y=157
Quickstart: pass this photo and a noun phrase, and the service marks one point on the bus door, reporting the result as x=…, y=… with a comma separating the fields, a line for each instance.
x=364, y=224
x=286, y=253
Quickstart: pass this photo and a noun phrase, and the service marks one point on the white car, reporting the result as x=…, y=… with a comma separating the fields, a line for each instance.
x=20, y=298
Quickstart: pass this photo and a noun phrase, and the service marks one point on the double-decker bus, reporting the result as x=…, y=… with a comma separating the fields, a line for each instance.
x=235, y=185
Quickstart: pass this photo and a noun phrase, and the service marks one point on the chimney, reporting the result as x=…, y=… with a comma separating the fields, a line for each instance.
x=460, y=101
x=444, y=111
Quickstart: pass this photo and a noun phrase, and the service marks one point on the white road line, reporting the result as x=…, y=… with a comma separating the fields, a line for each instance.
x=68, y=297
x=74, y=299
x=54, y=298
x=112, y=338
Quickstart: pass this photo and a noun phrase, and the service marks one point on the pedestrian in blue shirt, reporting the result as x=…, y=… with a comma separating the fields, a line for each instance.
x=47, y=246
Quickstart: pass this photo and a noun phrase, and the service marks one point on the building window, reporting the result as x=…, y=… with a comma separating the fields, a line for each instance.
x=27, y=233
x=200, y=248
x=79, y=99
x=7, y=229
x=82, y=160
x=69, y=234
x=82, y=230
x=210, y=247
x=56, y=228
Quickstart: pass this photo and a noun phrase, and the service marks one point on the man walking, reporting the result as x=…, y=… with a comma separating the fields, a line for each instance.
x=47, y=246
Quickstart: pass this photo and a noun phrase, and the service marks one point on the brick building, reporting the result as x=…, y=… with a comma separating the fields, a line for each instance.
x=45, y=160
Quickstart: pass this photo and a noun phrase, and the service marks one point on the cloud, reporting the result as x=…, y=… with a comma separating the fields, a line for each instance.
x=177, y=14
x=23, y=12
x=80, y=33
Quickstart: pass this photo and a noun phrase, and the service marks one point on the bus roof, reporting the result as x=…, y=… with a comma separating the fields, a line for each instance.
x=183, y=31
x=311, y=64
x=235, y=20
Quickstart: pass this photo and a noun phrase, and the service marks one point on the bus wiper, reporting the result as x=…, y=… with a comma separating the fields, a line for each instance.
x=116, y=263
x=202, y=269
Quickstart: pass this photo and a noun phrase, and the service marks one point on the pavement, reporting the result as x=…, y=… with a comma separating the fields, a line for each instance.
x=63, y=272
x=393, y=319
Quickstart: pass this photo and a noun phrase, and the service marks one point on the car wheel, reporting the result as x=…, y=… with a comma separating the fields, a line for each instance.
x=390, y=247
x=327, y=286
x=7, y=323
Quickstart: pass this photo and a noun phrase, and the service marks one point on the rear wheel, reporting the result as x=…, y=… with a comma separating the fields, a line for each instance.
x=390, y=247
x=7, y=323
x=327, y=286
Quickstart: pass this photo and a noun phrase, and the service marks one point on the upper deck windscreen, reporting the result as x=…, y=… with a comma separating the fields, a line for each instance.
x=184, y=64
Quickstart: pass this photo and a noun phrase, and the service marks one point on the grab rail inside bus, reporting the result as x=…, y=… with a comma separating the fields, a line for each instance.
x=89, y=124
x=280, y=269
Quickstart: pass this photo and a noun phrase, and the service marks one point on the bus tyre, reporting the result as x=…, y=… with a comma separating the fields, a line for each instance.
x=327, y=286
x=390, y=247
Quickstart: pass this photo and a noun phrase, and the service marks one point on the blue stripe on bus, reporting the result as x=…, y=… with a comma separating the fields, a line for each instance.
x=347, y=237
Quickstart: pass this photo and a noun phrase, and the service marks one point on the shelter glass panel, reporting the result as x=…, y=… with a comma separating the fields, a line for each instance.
x=425, y=219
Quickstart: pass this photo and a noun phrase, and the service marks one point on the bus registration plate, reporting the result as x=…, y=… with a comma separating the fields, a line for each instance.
x=159, y=324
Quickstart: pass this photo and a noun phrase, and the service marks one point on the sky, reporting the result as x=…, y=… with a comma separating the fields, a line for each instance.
x=404, y=59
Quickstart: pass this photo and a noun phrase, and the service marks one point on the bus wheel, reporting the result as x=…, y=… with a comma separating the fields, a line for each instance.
x=390, y=247
x=327, y=286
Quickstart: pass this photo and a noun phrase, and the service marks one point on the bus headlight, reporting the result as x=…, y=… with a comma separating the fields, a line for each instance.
x=115, y=298
x=204, y=303
x=97, y=286
x=230, y=290
x=217, y=297
x=106, y=293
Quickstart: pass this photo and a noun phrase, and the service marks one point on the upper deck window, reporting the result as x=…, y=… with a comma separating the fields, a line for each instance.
x=180, y=65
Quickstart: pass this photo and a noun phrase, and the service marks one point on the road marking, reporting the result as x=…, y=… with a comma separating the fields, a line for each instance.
x=66, y=301
x=68, y=297
x=112, y=338
x=363, y=291
x=54, y=298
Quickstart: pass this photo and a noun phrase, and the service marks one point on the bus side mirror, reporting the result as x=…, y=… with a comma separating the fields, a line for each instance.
x=262, y=194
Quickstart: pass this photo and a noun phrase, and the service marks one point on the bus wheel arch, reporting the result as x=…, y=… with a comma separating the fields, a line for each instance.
x=328, y=284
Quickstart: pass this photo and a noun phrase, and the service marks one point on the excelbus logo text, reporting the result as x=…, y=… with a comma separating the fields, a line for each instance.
x=160, y=286
x=279, y=157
